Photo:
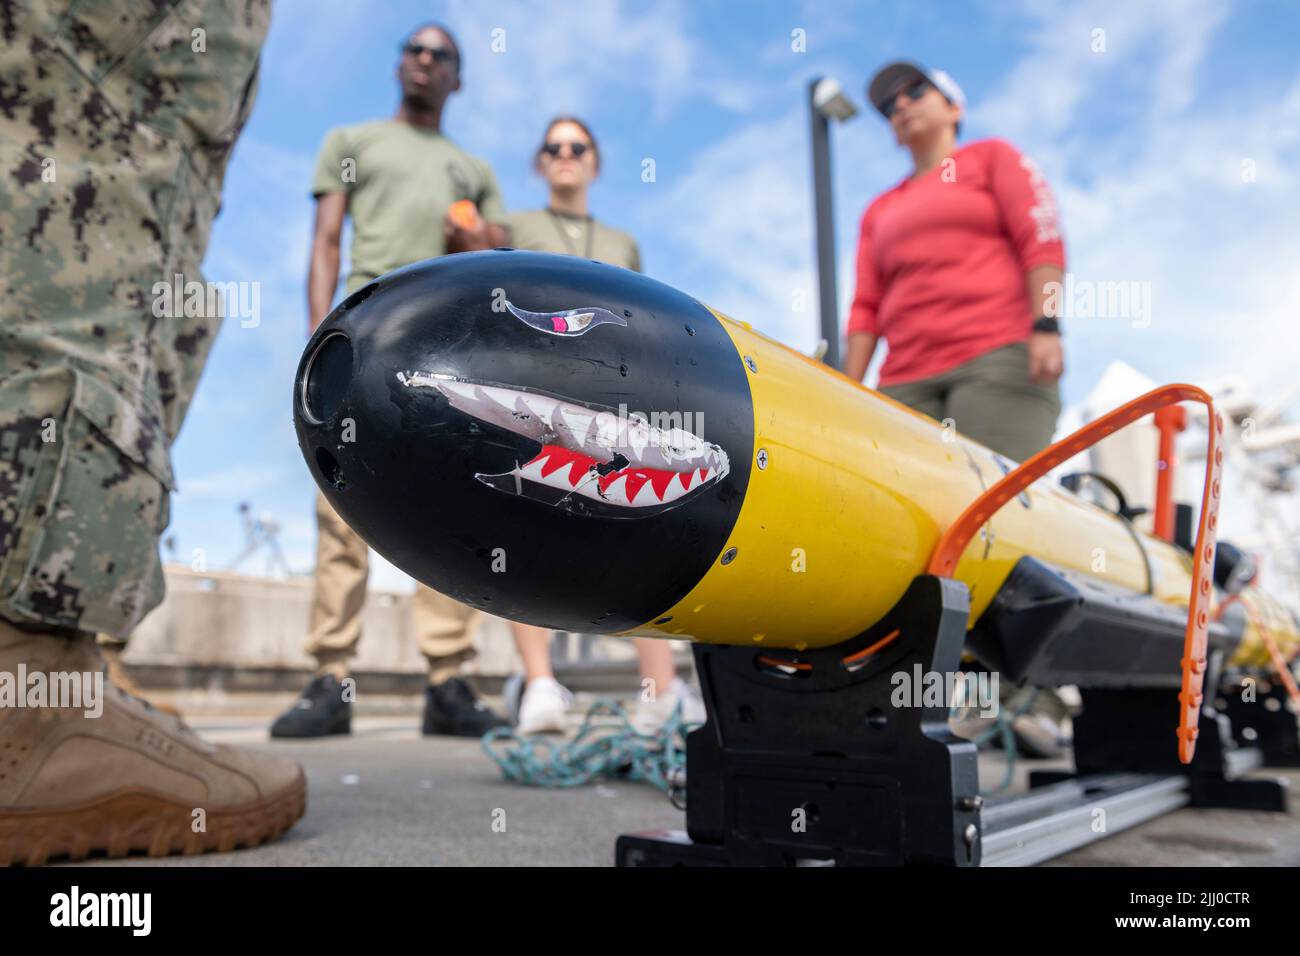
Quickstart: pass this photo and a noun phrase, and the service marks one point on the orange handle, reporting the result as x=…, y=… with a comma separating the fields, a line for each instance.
x=464, y=213
x=952, y=544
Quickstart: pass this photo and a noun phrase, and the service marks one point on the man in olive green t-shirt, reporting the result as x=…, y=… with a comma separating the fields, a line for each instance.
x=396, y=178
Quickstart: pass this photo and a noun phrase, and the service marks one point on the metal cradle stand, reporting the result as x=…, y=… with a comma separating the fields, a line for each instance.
x=810, y=759
x=1266, y=722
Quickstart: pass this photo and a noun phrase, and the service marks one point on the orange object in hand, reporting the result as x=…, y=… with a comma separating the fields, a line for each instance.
x=464, y=214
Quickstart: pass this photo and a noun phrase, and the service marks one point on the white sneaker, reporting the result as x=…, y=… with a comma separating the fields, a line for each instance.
x=543, y=708
x=653, y=714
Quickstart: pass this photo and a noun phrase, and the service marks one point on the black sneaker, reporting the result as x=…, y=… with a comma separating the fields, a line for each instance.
x=320, y=711
x=452, y=708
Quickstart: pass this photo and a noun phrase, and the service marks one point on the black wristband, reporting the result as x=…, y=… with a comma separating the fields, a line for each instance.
x=1047, y=324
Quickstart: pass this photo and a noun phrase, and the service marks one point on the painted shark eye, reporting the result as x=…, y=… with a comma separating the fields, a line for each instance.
x=570, y=322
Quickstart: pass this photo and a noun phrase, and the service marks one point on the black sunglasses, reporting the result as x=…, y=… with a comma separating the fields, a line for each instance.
x=440, y=54
x=576, y=149
x=913, y=91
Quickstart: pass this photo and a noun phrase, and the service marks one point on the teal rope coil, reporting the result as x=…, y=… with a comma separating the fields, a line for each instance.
x=606, y=747
x=1001, y=728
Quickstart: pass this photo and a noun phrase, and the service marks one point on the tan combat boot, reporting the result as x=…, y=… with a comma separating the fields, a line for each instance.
x=114, y=775
x=116, y=671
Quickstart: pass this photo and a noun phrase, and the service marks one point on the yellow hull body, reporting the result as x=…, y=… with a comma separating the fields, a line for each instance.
x=847, y=499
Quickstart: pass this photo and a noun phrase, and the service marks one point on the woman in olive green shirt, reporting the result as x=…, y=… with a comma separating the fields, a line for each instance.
x=569, y=160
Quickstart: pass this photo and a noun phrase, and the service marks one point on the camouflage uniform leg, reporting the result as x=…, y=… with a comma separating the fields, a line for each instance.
x=115, y=128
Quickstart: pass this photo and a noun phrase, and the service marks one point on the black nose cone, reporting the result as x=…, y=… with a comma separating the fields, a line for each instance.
x=547, y=438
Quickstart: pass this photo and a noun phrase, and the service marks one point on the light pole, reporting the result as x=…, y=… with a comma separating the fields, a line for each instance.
x=826, y=101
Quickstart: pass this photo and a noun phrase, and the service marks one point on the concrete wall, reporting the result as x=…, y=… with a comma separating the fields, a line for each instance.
x=224, y=619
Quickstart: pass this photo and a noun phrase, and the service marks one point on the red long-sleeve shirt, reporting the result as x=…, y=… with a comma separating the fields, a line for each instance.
x=942, y=261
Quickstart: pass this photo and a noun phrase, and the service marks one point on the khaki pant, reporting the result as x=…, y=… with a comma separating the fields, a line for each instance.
x=444, y=628
x=990, y=399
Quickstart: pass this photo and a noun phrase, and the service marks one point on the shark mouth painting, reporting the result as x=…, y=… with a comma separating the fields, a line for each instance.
x=590, y=461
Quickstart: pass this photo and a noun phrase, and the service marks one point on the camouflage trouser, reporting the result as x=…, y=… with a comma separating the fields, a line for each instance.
x=116, y=121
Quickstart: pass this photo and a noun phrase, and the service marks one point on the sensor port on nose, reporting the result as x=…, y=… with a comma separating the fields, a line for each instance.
x=330, y=468
x=326, y=379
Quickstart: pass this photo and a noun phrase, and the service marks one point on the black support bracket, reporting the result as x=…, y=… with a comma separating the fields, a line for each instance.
x=806, y=759
x=814, y=757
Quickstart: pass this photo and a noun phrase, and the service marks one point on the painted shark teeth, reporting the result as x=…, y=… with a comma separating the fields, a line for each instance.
x=633, y=488
x=660, y=466
x=601, y=435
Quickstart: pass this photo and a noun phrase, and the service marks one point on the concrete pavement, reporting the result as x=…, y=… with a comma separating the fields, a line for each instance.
x=387, y=796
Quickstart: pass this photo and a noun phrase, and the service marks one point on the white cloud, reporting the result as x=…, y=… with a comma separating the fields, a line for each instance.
x=739, y=218
x=1057, y=92
x=597, y=54
x=321, y=36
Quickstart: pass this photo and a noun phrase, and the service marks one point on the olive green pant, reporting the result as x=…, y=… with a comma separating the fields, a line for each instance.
x=990, y=399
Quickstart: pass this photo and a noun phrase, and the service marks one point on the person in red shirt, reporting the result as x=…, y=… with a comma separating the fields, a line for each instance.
x=955, y=268
x=955, y=272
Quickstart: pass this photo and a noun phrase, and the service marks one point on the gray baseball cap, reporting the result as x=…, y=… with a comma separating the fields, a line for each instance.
x=892, y=77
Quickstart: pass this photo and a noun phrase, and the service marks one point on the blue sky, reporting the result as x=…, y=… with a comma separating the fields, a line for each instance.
x=1145, y=145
